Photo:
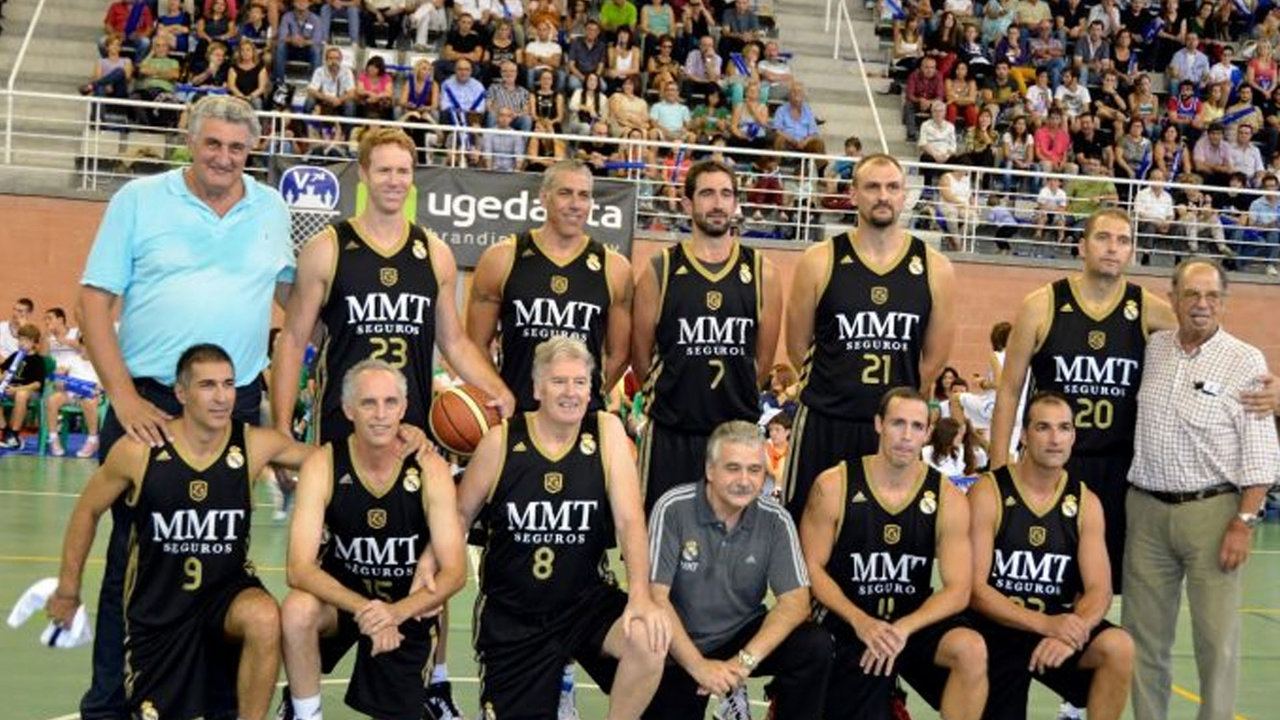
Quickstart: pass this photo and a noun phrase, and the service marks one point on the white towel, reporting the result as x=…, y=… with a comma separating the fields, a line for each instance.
x=34, y=599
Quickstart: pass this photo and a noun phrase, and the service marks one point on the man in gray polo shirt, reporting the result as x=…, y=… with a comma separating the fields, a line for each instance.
x=716, y=547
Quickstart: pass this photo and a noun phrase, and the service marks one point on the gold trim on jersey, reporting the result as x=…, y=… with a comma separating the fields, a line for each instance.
x=386, y=254
x=844, y=495
x=604, y=449
x=514, y=242
x=1051, y=312
x=730, y=263
x=1084, y=490
x=361, y=476
x=535, y=237
x=886, y=268
x=663, y=283
x=502, y=463
x=135, y=492
x=331, y=234
x=322, y=385
x=1143, y=316
x=912, y=495
x=995, y=484
x=831, y=268
x=226, y=439
x=539, y=447
x=793, y=452
x=759, y=283
x=646, y=455
x=608, y=277
x=1057, y=493
x=1110, y=305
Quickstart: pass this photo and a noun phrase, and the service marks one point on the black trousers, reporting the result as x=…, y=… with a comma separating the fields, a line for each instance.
x=800, y=666
x=105, y=698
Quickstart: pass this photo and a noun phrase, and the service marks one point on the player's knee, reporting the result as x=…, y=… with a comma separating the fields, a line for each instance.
x=1117, y=650
x=967, y=652
x=300, y=613
x=260, y=619
x=639, y=650
x=21, y=398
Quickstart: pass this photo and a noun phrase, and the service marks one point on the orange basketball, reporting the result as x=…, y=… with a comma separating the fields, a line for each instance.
x=460, y=416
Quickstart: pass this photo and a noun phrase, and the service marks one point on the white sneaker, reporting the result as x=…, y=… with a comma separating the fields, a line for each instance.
x=568, y=709
x=55, y=445
x=90, y=448
x=1067, y=711
x=1271, y=270
x=734, y=706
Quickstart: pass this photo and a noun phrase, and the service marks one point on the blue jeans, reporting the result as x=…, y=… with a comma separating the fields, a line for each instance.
x=353, y=21
x=313, y=54
x=348, y=108
x=520, y=122
x=113, y=84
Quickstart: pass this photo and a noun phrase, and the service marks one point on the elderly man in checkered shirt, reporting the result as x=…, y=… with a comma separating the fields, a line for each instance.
x=1201, y=468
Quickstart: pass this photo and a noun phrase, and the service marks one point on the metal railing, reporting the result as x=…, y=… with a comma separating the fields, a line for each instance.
x=842, y=14
x=13, y=78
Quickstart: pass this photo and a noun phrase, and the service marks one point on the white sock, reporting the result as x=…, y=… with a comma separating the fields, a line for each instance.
x=439, y=673
x=566, y=680
x=91, y=437
x=306, y=708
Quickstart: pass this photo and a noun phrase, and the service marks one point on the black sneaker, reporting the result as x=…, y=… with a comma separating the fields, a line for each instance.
x=439, y=704
x=285, y=711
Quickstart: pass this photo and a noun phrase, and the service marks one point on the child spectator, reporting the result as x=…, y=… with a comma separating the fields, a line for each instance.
x=22, y=374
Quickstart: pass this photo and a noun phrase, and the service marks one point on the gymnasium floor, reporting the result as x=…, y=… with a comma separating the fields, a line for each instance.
x=36, y=495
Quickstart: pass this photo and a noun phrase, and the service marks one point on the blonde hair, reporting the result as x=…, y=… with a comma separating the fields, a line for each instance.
x=377, y=136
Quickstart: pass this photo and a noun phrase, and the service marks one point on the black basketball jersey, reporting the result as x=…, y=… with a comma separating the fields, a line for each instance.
x=1097, y=363
x=548, y=521
x=373, y=541
x=380, y=305
x=868, y=331
x=190, y=533
x=543, y=298
x=883, y=558
x=704, y=356
x=1035, y=553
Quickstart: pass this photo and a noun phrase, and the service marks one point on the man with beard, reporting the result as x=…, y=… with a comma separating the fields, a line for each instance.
x=705, y=328
x=870, y=309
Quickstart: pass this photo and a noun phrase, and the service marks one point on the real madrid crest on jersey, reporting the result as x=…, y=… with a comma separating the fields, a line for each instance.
x=916, y=266
x=593, y=262
x=419, y=250
x=879, y=295
x=412, y=481
x=928, y=503
x=587, y=445
x=198, y=490
x=1131, y=310
x=714, y=299
x=553, y=482
x=559, y=284
x=1070, y=506
x=235, y=457
x=1037, y=535
x=689, y=556
x=892, y=534
x=388, y=276
x=1097, y=339
x=377, y=518
x=148, y=711
x=744, y=273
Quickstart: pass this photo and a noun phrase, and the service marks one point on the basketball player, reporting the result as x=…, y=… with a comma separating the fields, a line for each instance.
x=384, y=289
x=870, y=309
x=870, y=533
x=554, y=280
x=363, y=519
x=202, y=635
x=1084, y=336
x=1041, y=580
x=551, y=487
x=707, y=317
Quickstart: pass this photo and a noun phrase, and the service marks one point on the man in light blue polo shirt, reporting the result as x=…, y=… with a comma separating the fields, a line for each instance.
x=194, y=255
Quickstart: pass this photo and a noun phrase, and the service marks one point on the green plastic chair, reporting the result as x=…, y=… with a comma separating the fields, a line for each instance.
x=68, y=410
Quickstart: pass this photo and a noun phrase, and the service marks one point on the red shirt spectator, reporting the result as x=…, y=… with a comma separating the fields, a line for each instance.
x=1052, y=143
x=117, y=19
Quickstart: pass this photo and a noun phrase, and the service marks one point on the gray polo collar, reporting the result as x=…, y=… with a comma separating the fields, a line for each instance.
x=706, y=516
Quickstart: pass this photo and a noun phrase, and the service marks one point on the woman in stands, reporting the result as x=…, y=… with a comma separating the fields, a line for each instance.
x=218, y=25
x=740, y=77
x=657, y=23
x=628, y=111
x=976, y=54
x=662, y=67
x=214, y=73
x=908, y=48
x=1169, y=39
x=1212, y=109
x=1124, y=61
x=178, y=24
x=248, y=78
x=1132, y=155
x=1260, y=73
x=978, y=147
x=374, y=90
x=623, y=59
x=749, y=123
x=962, y=96
x=548, y=105
x=418, y=96
x=1171, y=154
x=1143, y=104
x=588, y=105
x=111, y=74
x=502, y=48
x=1017, y=152
x=952, y=449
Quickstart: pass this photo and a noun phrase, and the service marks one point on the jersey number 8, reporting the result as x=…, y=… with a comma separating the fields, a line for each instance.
x=543, y=559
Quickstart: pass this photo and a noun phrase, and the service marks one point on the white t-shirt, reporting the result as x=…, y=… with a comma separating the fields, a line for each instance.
x=1076, y=102
x=952, y=466
x=540, y=49
x=8, y=342
x=1051, y=199
x=70, y=360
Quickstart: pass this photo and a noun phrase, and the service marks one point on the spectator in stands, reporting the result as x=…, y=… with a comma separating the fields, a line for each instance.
x=796, y=126
x=657, y=23
x=978, y=146
x=332, y=89
x=480, y=11
x=957, y=206
x=1135, y=18
x=749, y=125
x=837, y=178
x=703, y=68
x=975, y=54
x=111, y=73
x=587, y=54
x=1264, y=220
x=776, y=448
x=507, y=93
x=258, y=30
x=1225, y=70
x=1087, y=141
x=615, y=14
x=429, y=17
x=1189, y=63
x=301, y=38
x=1171, y=154
x=696, y=22
x=662, y=67
x=1260, y=72
x=671, y=117
x=1212, y=109
x=1110, y=107
x=1245, y=156
x=937, y=141
x=1031, y=12
x=132, y=21
x=1018, y=150
x=776, y=75
x=419, y=98
x=247, y=77
x=950, y=450
x=543, y=152
x=1244, y=112
x=1073, y=97
x=739, y=25
x=1048, y=51
x=1153, y=209
x=1167, y=35
x=908, y=48
x=1002, y=94
x=21, y=315
x=1144, y=103
x=944, y=43
x=1107, y=12
x=1092, y=53
x=1211, y=157
x=1183, y=108
x=1051, y=210
x=628, y=111
x=69, y=360
x=1132, y=155
x=504, y=153
x=997, y=17
x=924, y=87
x=1039, y=98
x=1124, y=60
x=211, y=73
x=543, y=53
x=1052, y=144
x=962, y=96
x=383, y=18
x=461, y=95
x=28, y=378
x=463, y=43
x=623, y=59
x=501, y=48
x=374, y=90
x=156, y=80
x=766, y=194
x=216, y=26
x=1199, y=220
x=710, y=120
x=597, y=153
x=744, y=68
x=1089, y=192
x=582, y=13
x=177, y=22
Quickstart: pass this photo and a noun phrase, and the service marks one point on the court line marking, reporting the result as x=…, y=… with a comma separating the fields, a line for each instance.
x=1185, y=693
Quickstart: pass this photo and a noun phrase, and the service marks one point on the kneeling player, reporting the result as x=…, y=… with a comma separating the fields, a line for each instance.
x=550, y=487
x=1042, y=580
x=362, y=521
x=870, y=532
x=204, y=636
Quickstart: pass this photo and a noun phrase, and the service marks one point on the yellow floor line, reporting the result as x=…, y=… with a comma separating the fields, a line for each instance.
x=1178, y=689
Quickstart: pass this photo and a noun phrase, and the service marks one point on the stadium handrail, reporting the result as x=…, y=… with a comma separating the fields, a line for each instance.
x=13, y=78
x=842, y=12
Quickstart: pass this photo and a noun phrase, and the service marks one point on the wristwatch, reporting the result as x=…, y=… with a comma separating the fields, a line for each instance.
x=1250, y=520
x=747, y=660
